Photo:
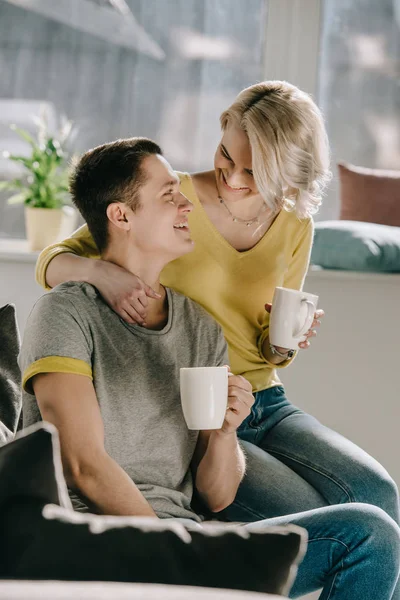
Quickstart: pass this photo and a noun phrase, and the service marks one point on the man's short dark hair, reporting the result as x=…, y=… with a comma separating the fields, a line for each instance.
x=106, y=174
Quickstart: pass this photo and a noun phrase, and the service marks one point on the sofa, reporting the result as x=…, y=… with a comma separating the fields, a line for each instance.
x=50, y=551
x=56, y=590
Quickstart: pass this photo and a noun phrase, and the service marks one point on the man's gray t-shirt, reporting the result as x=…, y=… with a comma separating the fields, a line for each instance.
x=135, y=374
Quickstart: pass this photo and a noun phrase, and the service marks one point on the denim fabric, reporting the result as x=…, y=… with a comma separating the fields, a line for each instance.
x=353, y=552
x=295, y=464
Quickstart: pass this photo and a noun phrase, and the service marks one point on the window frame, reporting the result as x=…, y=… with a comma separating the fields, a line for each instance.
x=292, y=41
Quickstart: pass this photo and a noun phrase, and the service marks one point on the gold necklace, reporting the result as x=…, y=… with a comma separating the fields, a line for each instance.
x=246, y=222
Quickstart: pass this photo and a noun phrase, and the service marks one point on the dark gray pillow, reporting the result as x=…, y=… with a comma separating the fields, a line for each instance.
x=10, y=376
x=42, y=541
x=30, y=467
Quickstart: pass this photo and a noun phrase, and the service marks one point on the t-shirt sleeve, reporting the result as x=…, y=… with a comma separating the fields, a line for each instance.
x=294, y=279
x=80, y=243
x=56, y=340
x=298, y=267
x=212, y=349
x=221, y=348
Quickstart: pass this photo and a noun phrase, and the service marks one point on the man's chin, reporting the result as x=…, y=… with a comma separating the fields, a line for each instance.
x=185, y=247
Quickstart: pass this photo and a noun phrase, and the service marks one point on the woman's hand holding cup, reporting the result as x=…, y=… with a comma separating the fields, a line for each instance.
x=293, y=319
x=318, y=315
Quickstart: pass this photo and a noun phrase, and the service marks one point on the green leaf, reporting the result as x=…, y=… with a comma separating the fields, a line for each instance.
x=46, y=184
x=8, y=185
x=24, y=135
x=17, y=198
x=27, y=162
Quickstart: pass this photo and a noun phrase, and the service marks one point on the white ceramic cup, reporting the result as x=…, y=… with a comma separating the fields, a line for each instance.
x=204, y=396
x=291, y=317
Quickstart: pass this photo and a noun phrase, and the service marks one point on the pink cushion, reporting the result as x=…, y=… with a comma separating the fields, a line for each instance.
x=371, y=195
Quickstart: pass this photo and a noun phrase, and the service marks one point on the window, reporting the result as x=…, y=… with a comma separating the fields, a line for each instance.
x=359, y=85
x=194, y=58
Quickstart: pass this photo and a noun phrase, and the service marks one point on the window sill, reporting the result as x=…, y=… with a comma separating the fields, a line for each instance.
x=16, y=251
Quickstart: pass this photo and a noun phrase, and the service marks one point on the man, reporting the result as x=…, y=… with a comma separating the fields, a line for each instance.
x=112, y=389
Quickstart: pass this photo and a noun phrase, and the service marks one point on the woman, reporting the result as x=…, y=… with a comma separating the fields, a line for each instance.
x=252, y=226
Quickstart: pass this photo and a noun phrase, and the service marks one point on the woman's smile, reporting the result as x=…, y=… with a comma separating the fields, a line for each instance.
x=233, y=190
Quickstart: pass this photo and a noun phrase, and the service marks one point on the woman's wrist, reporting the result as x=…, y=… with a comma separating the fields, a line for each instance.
x=95, y=270
x=270, y=356
x=283, y=353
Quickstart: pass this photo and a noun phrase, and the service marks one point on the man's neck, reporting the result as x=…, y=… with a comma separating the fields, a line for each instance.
x=148, y=269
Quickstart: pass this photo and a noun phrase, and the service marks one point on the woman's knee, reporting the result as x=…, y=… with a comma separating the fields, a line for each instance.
x=379, y=489
x=388, y=496
x=360, y=538
x=379, y=531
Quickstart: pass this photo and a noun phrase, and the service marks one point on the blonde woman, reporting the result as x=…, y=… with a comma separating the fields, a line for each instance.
x=252, y=227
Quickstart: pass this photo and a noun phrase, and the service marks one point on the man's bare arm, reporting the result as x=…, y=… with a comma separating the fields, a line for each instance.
x=219, y=462
x=123, y=291
x=220, y=468
x=69, y=402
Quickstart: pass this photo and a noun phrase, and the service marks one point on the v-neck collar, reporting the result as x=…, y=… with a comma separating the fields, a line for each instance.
x=201, y=212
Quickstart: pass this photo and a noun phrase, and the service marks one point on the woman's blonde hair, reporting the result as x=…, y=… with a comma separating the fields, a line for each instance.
x=289, y=144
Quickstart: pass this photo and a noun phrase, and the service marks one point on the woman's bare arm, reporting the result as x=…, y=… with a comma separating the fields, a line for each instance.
x=124, y=292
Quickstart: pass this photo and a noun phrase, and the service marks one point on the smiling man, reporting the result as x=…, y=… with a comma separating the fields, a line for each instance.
x=112, y=389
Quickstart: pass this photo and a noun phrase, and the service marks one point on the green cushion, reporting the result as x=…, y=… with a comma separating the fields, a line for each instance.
x=356, y=246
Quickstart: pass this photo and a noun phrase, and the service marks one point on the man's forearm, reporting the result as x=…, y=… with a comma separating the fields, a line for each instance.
x=110, y=490
x=220, y=471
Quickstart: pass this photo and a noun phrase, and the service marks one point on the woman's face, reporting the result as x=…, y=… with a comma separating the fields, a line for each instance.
x=233, y=168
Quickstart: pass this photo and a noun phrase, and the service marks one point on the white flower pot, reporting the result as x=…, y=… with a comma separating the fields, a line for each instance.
x=45, y=226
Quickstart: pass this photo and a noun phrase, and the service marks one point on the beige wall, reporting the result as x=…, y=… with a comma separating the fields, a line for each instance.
x=349, y=379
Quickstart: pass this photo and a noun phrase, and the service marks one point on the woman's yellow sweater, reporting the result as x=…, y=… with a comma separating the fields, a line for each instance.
x=232, y=286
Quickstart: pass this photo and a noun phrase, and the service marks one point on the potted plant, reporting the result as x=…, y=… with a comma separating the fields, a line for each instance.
x=49, y=216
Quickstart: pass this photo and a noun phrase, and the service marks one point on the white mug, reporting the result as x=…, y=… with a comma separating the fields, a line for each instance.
x=291, y=317
x=204, y=396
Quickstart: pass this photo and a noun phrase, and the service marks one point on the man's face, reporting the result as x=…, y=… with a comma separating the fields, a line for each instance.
x=160, y=224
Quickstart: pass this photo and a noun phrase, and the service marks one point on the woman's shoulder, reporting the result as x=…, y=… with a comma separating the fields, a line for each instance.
x=296, y=232
x=183, y=175
x=292, y=220
x=185, y=179
x=187, y=187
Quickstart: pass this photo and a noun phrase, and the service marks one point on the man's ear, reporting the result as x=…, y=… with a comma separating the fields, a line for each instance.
x=117, y=214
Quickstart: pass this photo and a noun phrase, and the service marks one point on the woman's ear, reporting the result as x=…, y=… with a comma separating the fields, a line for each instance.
x=117, y=215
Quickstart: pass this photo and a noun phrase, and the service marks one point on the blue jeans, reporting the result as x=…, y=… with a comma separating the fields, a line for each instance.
x=352, y=552
x=295, y=464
